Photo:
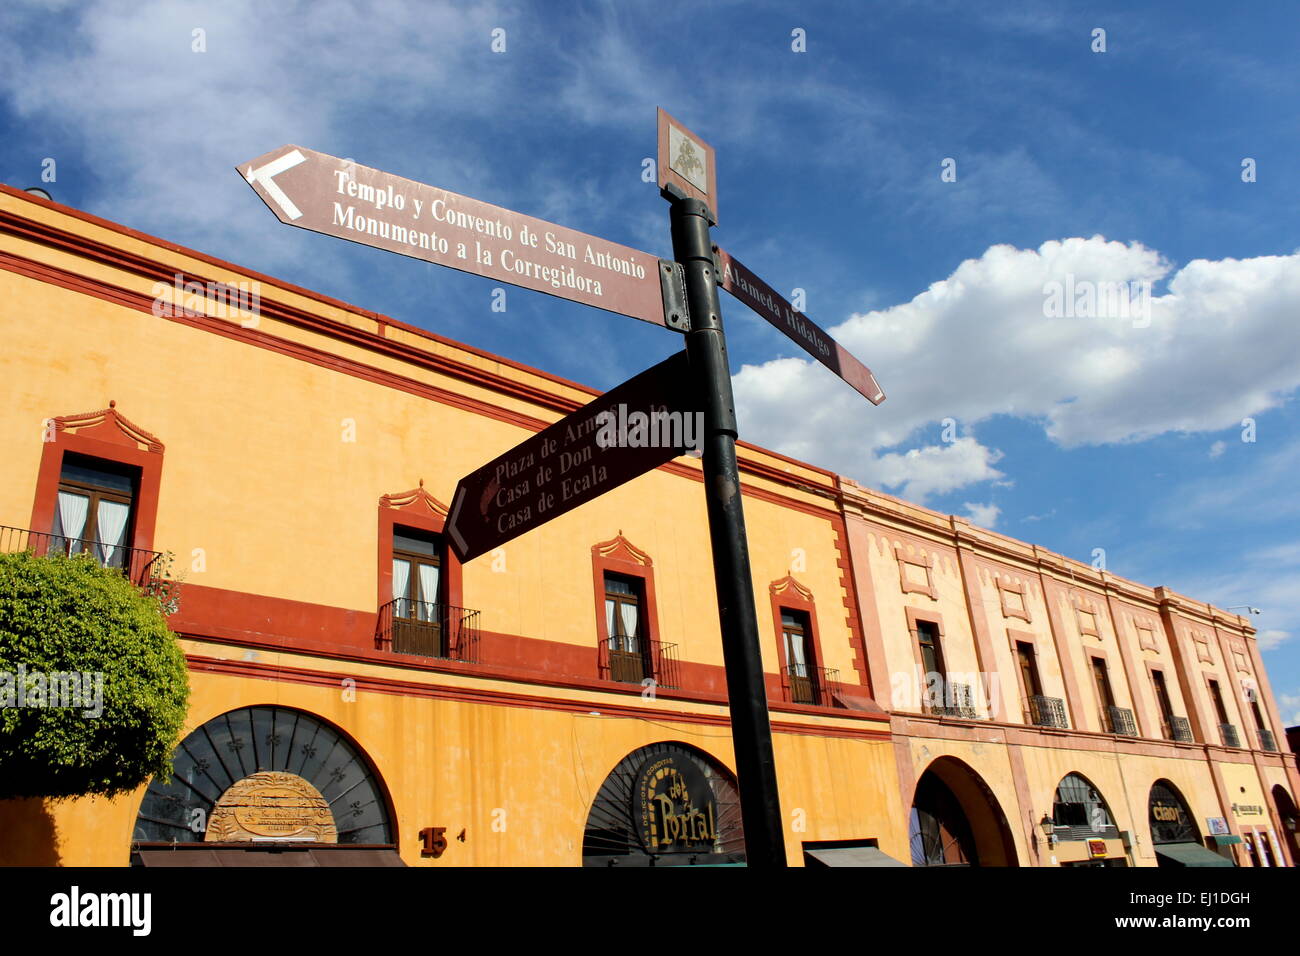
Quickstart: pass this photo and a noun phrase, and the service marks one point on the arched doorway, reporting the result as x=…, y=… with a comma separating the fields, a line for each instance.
x=666, y=804
x=1290, y=820
x=1084, y=831
x=1174, y=834
x=956, y=819
x=265, y=777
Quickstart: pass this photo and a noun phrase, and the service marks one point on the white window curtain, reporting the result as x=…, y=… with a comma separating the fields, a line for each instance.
x=628, y=612
x=70, y=522
x=428, y=611
x=611, y=611
x=401, y=578
x=794, y=652
x=112, y=529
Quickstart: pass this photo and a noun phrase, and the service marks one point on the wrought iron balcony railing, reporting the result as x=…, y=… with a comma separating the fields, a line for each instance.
x=1119, y=720
x=633, y=660
x=1266, y=741
x=810, y=685
x=955, y=701
x=422, y=629
x=1085, y=832
x=1229, y=734
x=1047, y=712
x=139, y=566
x=1180, y=729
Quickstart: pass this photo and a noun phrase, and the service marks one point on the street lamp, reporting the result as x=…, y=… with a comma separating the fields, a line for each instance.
x=1252, y=610
x=1048, y=826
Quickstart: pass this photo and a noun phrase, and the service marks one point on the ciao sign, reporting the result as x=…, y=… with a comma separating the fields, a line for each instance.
x=674, y=806
x=1170, y=820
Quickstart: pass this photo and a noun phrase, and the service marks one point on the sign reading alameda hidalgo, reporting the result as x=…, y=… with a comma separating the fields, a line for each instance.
x=339, y=198
x=759, y=296
x=626, y=432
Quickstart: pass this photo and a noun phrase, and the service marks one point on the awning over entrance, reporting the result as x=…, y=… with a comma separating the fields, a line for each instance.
x=1191, y=854
x=1227, y=839
x=298, y=856
x=853, y=856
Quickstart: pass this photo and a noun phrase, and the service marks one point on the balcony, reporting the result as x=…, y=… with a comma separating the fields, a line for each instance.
x=1047, y=712
x=1119, y=720
x=957, y=701
x=422, y=629
x=139, y=566
x=1229, y=734
x=1266, y=741
x=1179, y=729
x=811, y=685
x=633, y=660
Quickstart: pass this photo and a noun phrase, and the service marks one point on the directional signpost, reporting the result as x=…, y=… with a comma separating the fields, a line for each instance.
x=630, y=430
x=339, y=198
x=758, y=295
x=626, y=432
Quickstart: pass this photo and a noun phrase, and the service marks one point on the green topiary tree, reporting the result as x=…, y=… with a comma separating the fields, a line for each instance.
x=73, y=633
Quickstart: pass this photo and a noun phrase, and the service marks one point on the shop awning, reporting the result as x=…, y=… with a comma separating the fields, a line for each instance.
x=1226, y=839
x=853, y=856
x=306, y=856
x=1191, y=854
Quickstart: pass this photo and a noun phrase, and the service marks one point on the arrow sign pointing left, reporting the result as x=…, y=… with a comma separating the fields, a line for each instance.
x=343, y=199
x=266, y=176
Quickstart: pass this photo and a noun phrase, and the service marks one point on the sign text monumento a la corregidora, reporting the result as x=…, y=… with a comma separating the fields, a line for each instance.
x=340, y=198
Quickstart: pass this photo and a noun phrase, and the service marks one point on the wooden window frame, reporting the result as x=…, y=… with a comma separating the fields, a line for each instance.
x=788, y=594
x=620, y=557
x=96, y=494
x=107, y=436
x=916, y=617
x=419, y=511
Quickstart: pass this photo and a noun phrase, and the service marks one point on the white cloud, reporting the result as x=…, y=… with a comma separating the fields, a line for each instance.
x=1218, y=448
x=1289, y=705
x=936, y=469
x=1270, y=639
x=985, y=515
x=1220, y=345
x=163, y=126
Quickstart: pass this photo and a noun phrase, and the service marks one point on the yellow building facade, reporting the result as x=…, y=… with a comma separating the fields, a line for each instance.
x=359, y=696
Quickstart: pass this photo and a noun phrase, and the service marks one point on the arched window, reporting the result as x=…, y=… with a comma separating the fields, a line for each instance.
x=1080, y=812
x=665, y=804
x=266, y=774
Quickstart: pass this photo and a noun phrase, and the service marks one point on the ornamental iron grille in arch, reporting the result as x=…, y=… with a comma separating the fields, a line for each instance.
x=1080, y=812
x=665, y=805
x=266, y=774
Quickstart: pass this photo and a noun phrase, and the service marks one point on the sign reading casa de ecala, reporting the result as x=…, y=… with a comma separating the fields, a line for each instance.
x=343, y=199
x=634, y=428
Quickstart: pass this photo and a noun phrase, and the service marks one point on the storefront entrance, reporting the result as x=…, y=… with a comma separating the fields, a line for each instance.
x=1174, y=833
x=956, y=820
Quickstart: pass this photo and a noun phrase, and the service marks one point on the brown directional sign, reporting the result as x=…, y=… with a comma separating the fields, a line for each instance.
x=760, y=297
x=631, y=429
x=687, y=162
x=343, y=199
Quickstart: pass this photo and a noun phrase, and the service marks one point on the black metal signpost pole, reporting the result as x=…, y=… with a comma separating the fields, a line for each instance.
x=706, y=345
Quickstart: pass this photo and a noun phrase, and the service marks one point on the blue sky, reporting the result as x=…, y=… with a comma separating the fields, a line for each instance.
x=1080, y=432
